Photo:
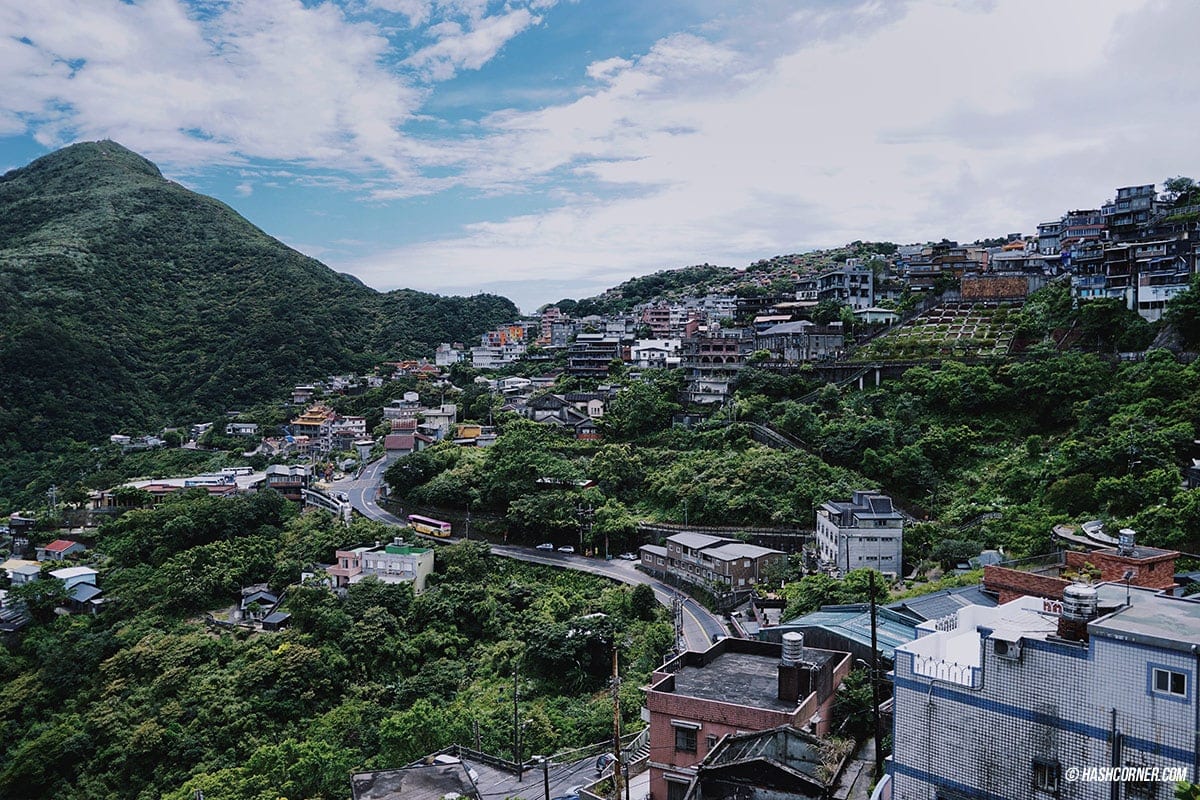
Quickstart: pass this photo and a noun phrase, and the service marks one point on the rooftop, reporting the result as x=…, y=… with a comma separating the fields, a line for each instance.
x=696, y=541
x=741, y=678
x=739, y=550
x=1151, y=618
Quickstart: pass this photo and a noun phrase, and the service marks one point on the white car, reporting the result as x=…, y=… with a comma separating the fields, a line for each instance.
x=545, y=546
x=566, y=548
x=628, y=556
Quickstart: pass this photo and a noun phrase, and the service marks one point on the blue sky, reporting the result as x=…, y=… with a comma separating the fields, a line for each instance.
x=551, y=148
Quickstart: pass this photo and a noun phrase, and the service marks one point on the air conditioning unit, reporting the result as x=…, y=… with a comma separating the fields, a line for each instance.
x=1008, y=649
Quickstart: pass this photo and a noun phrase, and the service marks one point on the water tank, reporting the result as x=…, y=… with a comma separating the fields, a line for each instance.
x=1126, y=541
x=411, y=397
x=793, y=647
x=1079, y=602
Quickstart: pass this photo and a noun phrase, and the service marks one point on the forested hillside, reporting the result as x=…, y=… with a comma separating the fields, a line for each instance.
x=127, y=300
x=142, y=701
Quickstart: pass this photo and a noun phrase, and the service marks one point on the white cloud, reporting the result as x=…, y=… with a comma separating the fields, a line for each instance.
x=946, y=120
x=457, y=48
x=244, y=189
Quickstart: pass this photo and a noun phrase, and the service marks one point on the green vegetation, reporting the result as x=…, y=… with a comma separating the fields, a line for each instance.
x=143, y=701
x=130, y=302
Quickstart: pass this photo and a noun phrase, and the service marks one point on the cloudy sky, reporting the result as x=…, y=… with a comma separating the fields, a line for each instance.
x=551, y=148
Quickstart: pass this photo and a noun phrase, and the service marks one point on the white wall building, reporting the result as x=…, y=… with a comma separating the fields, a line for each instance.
x=867, y=531
x=1025, y=699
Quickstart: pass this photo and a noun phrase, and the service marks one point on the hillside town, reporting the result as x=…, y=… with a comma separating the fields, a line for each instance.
x=998, y=689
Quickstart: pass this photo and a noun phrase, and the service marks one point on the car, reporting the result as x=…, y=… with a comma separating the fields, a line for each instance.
x=545, y=546
x=629, y=556
x=566, y=548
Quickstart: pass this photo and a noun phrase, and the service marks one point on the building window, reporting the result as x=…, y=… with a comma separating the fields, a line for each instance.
x=1045, y=775
x=710, y=742
x=685, y=739
x=676, y=789
x=1140, y=790
x=1169, y=682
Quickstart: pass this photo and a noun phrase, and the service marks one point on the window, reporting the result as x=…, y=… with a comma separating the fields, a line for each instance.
x=1045, y=775
x=710, y=742
x=1168, y=681
x=1139, y=790
x=676, y=788
x=685, y=739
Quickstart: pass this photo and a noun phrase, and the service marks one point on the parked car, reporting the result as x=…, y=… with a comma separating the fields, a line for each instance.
x=629, y=556
x=566, y=548
x=545, y=546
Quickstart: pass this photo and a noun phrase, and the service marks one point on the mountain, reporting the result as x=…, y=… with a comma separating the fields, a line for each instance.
x=128, y=300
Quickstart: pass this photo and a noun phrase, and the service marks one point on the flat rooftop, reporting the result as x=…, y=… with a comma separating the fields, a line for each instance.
x=1151, y=618
x=742, y=678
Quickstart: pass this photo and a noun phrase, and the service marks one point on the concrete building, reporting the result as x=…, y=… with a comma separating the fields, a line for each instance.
x=711, y=363
x=736, y=686
x=794, y=342
x=1019, y=701
x=714, y=562
x=392, y=563
x=866, y=531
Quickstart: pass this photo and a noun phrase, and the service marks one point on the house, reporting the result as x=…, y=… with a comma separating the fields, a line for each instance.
x=876, y=316
x=591, y=355
x=70, y=576
x=392, y=563
x=711, y=362
x=783, y=763
x=290, y=481
x=655, y=353
x=20, y=571
x=866, y=531
x=247, y=429
x=1012, y=701
x=59, y=549
x=794, y=342
x=302, y=394
x=399, y=444
x=257, y=603
x=85, y=598
x=736, y=686
x=440, y=419
x=714, y=562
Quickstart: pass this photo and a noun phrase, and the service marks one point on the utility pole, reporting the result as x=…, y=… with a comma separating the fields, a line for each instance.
x=616, y=693
x=677, y=619
x=516, y=728
x=875, y=683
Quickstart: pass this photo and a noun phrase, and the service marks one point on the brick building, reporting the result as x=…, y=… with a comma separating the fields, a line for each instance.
x=736, y=686
x=1145, y=567
x=712, y=561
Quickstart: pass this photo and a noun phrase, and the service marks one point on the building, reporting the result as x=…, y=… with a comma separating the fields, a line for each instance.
x=59, y=549
x=655, y=353
x=866, y=531
x=736, y=686
x=1014, y=701
x=289, y=480
x=794, y=342
x=780, y=764
x=711, y=363
x=851, y=286
x=591, y=355
x=21, y=571
x=246, y=429
x=392, y=563
x=715, y=562
x=448, y=354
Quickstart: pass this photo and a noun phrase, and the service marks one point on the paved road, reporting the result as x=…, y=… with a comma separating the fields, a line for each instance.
x=699, y=625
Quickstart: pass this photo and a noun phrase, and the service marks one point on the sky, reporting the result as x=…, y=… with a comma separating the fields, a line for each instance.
x=544, y=149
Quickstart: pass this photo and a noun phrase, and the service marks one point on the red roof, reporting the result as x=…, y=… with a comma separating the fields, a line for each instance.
x=398, y=441
x=58, y=545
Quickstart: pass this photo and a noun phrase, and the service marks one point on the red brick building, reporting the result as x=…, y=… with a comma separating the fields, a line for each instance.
x=1146, y=567
x=736, y=686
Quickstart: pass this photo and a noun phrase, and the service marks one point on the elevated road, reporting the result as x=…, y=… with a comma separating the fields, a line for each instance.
x=700, y=626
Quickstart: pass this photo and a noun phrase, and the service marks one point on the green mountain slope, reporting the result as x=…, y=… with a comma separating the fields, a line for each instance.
x=126, y=299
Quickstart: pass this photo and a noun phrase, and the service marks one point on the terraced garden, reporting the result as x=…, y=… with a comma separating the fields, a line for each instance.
x=955, y=330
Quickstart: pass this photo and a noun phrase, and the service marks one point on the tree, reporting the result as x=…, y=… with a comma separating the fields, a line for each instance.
x=639, y=410
x=41, y=597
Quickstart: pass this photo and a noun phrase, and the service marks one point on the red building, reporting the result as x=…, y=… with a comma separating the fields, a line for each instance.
x=736, y=686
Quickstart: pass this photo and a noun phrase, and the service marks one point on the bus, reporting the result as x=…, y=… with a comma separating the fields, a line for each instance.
x=427, y=525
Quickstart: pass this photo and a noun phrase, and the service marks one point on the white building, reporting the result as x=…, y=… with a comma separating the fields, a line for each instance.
x=1026, y=699
x=447, y=355
x=866, y=531
x=494, y=356
x=655, y=353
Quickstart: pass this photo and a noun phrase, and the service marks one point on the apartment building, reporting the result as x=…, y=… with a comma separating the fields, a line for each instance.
x=865, y=531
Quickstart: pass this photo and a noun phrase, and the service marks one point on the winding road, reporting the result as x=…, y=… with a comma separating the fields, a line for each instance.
x=699, y=625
